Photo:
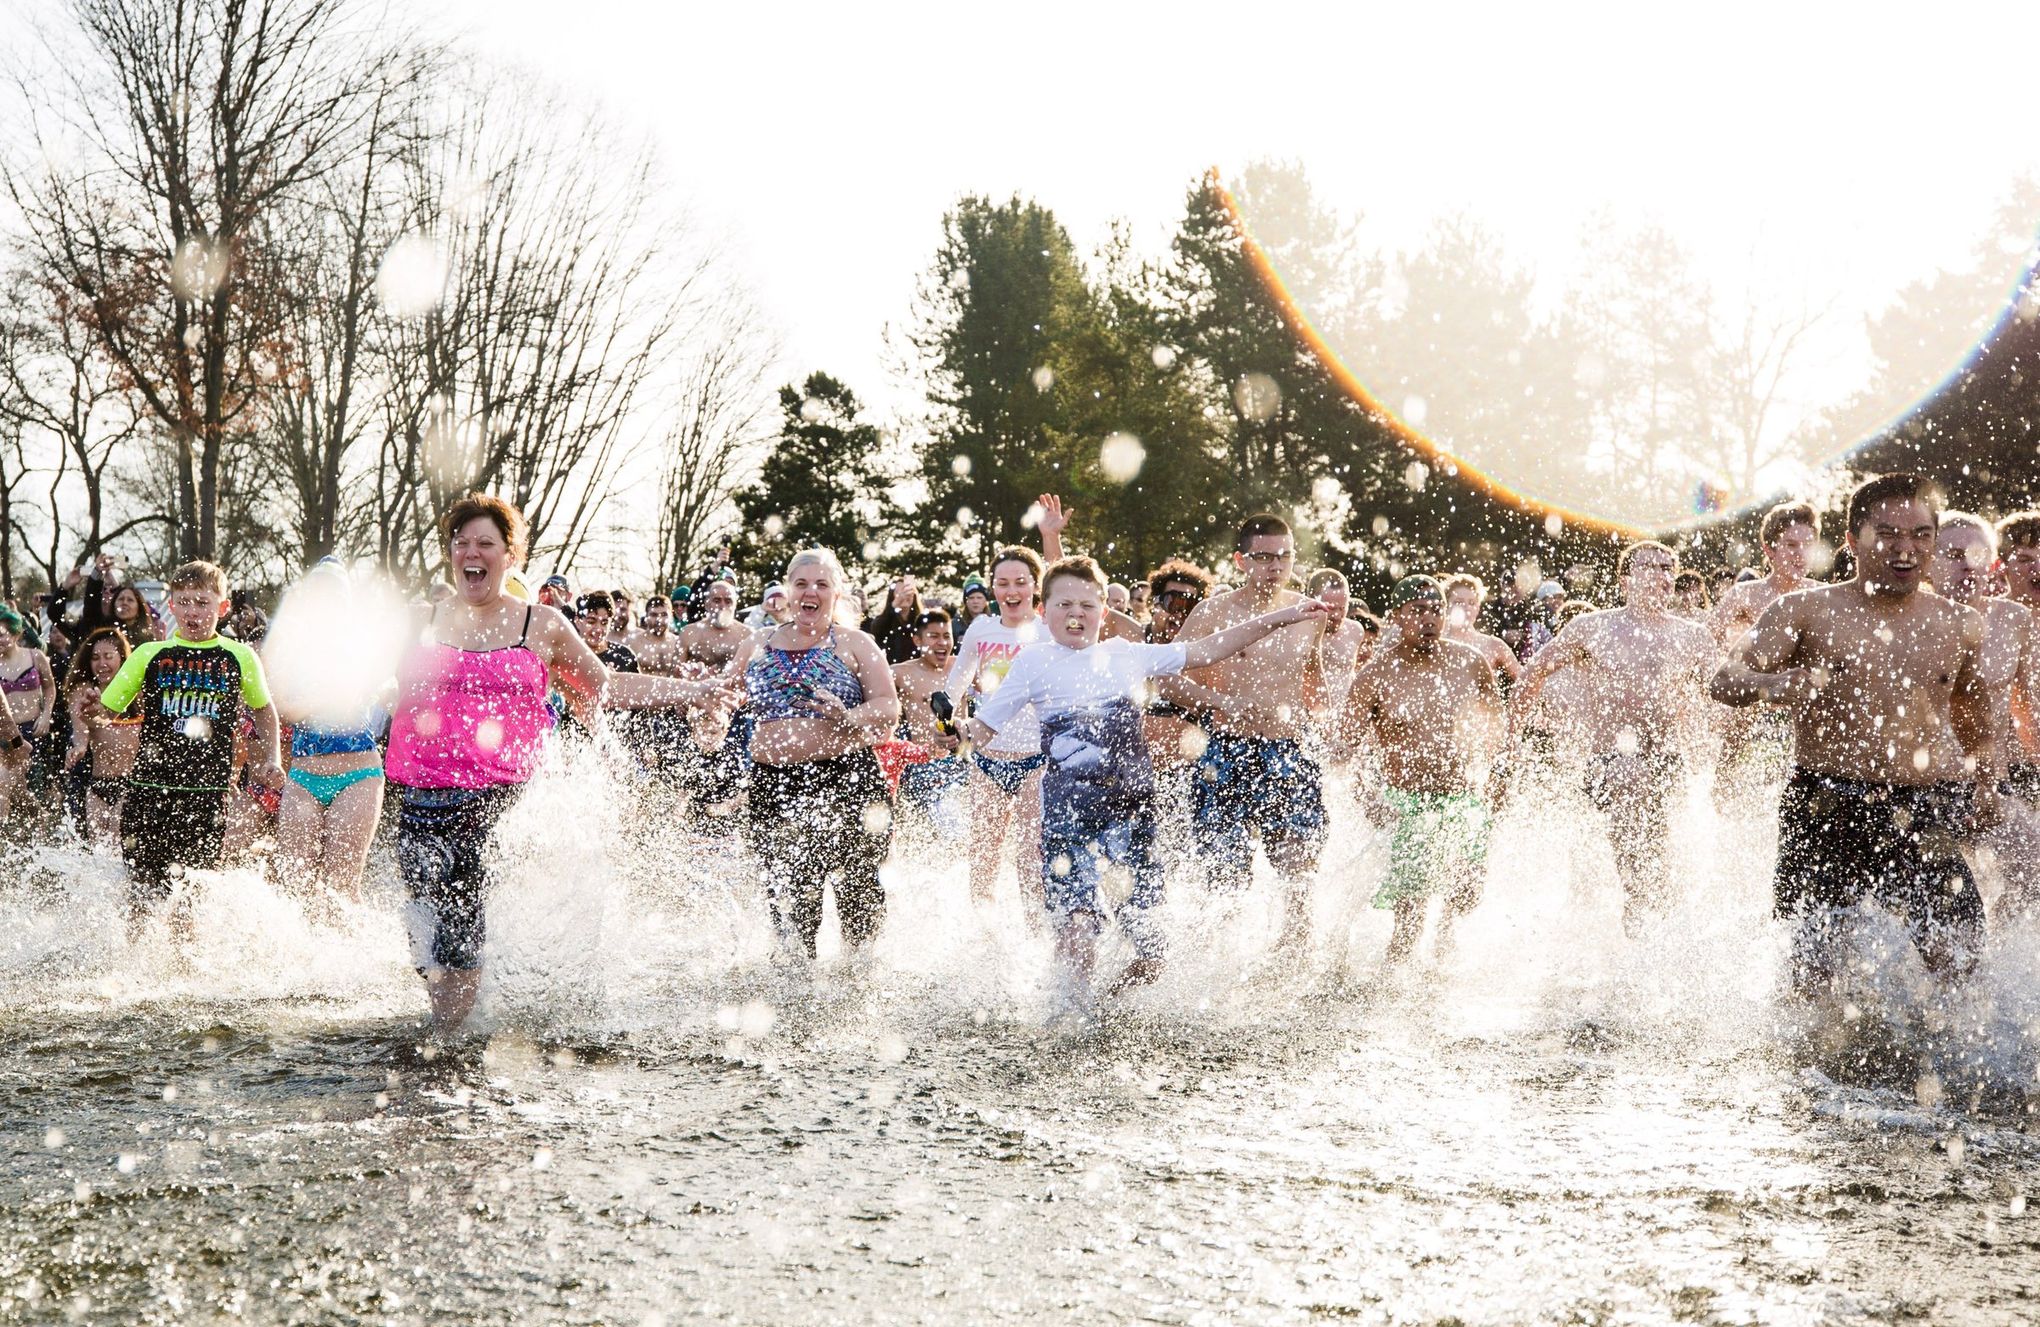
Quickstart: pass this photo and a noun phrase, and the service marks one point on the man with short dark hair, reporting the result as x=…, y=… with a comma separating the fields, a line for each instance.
x=2019, y=547
x=1431, y=709
x=1645, y=665
x=1254, y=778
x=1965, y=555
x=1890, y=710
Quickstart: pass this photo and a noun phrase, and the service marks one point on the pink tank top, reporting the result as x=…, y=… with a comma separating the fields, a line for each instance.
x=468, y=718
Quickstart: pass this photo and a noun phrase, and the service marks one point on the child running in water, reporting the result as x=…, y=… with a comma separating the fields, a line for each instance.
x=1008, y=768
x=190, y=688
x=1097, y=794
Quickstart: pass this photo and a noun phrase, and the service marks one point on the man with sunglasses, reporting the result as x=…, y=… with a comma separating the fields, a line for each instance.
x=1253, y=777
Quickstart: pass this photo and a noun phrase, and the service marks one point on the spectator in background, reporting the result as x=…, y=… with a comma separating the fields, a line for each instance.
x=1689, y=596
x=893, y=626
x=770, y=612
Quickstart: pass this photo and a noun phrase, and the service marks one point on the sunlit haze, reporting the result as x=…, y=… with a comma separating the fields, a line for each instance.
x=1802, y=155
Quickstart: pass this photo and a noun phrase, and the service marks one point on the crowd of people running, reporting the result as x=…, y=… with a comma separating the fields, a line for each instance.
x=1106, y=737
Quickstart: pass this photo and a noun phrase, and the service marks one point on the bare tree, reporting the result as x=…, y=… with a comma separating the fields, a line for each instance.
x=197, y=119
x=1751, y=372
x=721, y=411
x=565, y=296
x=57, y=385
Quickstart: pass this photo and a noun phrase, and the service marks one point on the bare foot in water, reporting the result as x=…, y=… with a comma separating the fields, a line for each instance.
x=1140, y=972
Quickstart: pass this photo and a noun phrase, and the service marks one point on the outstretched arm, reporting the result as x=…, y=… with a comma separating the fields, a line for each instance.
x=1565, y=650
x=1208, y=650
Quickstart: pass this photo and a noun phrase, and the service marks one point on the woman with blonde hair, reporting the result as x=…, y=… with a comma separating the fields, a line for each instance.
x=820, y=694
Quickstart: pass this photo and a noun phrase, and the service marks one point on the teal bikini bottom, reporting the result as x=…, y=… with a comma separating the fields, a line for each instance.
x=326, y=787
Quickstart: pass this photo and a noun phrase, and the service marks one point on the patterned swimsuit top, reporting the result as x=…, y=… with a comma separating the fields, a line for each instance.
x=27, y=680
x=779, y=682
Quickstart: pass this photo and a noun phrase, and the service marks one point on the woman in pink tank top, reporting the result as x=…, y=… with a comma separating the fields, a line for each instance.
x=468, y=730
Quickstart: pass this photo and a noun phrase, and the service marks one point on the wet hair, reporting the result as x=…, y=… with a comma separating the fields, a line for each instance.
x=1691, y=580
x=1785, y=515
x=1025, y=556
x=509, y=522
x=1265, y=524
x=1622, y=562
x=1968, y=520
x=1465, y=580
x=1079, y=567
x=594, y=600
x=934, y=617
x=199, y=576
x=1898, y=486
x=1322, y=577
x=1176, y=569
x=2021, y=529
x=80, y=672
x=1356, y=612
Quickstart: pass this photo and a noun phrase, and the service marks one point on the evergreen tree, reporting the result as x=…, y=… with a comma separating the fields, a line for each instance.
x=1006, y=289
x=820, y=485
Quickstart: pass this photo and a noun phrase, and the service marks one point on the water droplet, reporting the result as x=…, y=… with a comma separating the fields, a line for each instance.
x=1163, y=356
x=1120, y=457
x=1416, y=474
x=1415, y=409
x=1192, y=742
x=169, y=1091
x=775, y=525
x=198, y=728
x=2017, y=1206
x=53, y=1139
x=1957, y=1149
x=1928, y=1091
x=1059, y=866
x=1922, y=758
x=1257, y=397
x=428, y=725
x=489, y=735
x=1044, y=378
x=959, y=465
x=412, y=279
x=892, y=1048
x=964, y=515
x=542, y=1159
x=1379, y=525
x=813, y=410
x=126, y=1162
x=1627, y=742
x=81, y=1191
x=1554, y=525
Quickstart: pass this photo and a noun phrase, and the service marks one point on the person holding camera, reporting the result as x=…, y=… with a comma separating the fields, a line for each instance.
x=934, y=786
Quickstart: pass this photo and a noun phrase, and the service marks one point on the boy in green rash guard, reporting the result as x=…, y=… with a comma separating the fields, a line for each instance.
x=191, y=687
x=1433, y=711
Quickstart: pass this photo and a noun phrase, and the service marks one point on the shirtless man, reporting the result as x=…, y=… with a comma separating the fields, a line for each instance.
x=1889, y=709
x=714, y=640
x=710, y=643
x=2019, y=570
x=657, y=649
x=1464, y=595
x=2019, y=540
x=1253, y=777
x=1756, y=742
x=1432, y=710
x=1965, y=554
x=1343, y=642
x=935, y=786
x=1645, y=666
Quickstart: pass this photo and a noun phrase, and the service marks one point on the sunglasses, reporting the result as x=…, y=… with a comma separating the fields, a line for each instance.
x=1178, y=599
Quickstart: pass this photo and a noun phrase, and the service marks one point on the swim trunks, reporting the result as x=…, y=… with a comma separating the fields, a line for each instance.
x=1439, y=840
x=1249, y=785
x=927, y=785
x=1647, y=781
x=161, y=828
x=1845, y=841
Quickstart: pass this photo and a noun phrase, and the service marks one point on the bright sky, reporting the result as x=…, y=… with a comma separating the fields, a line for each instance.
x=826, y=141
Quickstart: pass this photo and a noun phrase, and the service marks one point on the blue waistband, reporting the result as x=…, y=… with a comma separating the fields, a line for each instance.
x=307, y=741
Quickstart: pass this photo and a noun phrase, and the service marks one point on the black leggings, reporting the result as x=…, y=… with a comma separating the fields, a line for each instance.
x=442, y=849
x=814, y=823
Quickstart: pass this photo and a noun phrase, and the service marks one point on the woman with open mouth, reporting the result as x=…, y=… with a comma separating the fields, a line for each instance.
x=469, y=730
x=820, y=809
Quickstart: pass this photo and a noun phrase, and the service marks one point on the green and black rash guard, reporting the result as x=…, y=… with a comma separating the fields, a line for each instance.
x=190, y=694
